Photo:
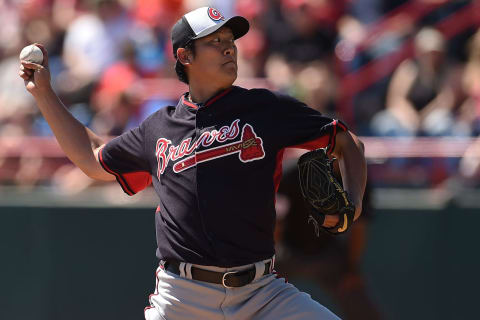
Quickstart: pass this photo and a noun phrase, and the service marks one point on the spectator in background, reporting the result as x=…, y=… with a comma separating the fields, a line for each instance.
x=470, y=110
x=469, y=167
x=113, y=101
x=152, y=21
x=367, y=37
x=93, y=41
x=308, y=28
x=11, y=31
x=17, y=108
x=299, y=59
x=253, y=47
x=162, y=13
x=420, y=99
x=314, y=82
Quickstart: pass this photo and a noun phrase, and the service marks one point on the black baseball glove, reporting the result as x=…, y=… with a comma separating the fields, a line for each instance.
x=323, y=193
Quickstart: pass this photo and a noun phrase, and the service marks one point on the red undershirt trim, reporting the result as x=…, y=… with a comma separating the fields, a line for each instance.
x=209, y=102
x=190, y=104
x=320, y=142
x=323, y=141
x=119, y=178
x=277, y=175
x=341, y=125
x=218, y=96
x=332, y=137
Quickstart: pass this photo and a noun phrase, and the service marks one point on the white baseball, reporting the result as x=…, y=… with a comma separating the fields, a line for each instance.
x=32, y=53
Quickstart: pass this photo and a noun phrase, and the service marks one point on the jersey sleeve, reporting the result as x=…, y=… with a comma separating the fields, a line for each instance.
x=300, y=126
x=124, y=157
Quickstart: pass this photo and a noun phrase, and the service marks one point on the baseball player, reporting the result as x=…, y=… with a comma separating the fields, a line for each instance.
x=215, y=161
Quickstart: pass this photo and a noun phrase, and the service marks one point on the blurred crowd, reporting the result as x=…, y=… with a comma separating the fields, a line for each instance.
x=397, y=68
x=388, y=68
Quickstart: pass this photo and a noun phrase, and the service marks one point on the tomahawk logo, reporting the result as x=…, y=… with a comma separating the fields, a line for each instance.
x=249, y=148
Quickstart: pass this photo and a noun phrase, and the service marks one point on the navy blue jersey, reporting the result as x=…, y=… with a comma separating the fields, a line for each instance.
x=216, y=167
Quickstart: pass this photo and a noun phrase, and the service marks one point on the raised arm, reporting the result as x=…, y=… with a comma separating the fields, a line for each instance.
x=78, y=142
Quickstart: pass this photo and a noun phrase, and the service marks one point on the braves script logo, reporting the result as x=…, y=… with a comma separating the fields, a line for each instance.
x=215, y=15
x=249, y=148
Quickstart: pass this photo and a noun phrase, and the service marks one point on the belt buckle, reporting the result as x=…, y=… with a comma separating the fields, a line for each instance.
x=223, y=278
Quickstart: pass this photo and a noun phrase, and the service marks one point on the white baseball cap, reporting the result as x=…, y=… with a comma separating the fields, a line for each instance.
x=202, y=22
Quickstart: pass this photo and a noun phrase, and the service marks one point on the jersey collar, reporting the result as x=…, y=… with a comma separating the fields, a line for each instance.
x=195, y=106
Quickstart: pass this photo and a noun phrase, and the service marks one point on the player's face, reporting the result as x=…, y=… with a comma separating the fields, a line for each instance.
x=215, y=60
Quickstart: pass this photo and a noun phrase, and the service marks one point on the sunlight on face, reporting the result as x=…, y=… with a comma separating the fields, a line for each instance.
x=215, y=59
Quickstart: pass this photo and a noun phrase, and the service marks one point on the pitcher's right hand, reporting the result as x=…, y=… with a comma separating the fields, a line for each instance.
x=36, y=76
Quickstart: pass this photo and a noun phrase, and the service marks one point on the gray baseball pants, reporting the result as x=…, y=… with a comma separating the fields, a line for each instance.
x=266, y=297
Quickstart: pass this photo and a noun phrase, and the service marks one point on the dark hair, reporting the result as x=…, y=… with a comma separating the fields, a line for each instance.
x=180, y=68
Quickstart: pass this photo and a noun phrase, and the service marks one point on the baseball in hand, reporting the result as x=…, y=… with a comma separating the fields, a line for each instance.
x=32, y=53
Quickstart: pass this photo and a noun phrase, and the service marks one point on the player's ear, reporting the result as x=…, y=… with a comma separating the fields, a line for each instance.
x=183, y=56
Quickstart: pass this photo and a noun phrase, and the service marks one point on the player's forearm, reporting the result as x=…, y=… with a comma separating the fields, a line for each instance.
x=353, y=166
x=77, y=141
x=356, y=244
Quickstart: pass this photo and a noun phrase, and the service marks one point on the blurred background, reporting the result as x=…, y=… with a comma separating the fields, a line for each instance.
x=403, y=74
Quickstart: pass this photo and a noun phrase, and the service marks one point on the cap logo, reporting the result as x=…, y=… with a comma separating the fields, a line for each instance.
x=215, y=15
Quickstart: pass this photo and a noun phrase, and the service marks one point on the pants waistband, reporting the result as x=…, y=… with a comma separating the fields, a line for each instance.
x=228, y=277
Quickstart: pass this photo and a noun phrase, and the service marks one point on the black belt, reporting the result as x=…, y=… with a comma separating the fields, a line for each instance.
x=232, y=279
